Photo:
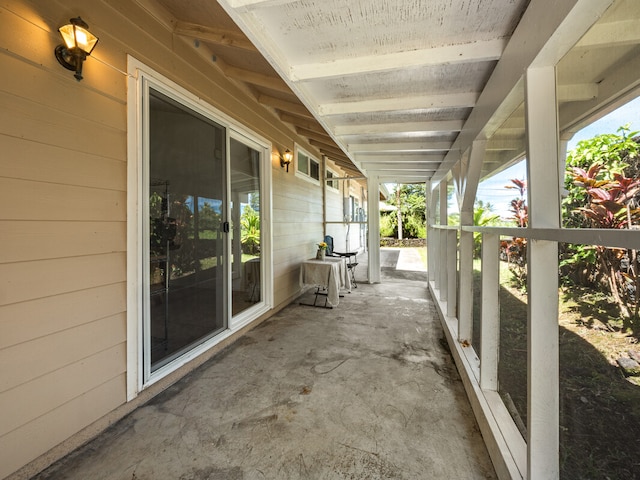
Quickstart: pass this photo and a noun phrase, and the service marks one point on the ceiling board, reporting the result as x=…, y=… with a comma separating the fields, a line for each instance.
x=405, y=76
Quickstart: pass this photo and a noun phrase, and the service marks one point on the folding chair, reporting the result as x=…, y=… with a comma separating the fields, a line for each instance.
x=352, y=259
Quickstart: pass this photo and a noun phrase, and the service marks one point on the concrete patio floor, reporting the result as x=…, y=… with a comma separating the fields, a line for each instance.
x=366, y=390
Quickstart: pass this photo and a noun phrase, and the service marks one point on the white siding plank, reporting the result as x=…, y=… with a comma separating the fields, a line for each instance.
x=19, y=405
x=25, y=321
x=27, y=200
x=22, y=445
x=32, y=82
x=23, y=118
x=28, y=241
x=24, y=281
x=19, y=364
x=22, y=159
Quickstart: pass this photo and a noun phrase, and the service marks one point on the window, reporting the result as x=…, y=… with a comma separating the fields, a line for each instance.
x=334, y=184
x=307, y=166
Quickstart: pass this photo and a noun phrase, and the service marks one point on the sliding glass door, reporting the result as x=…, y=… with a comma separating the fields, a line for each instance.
x=186, y=231
x=246, y=221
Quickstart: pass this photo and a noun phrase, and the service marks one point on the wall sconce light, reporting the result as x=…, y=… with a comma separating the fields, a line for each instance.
x=78, y=43
x=286, y=159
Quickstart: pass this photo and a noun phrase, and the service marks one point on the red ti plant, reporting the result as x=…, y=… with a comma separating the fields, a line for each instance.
x=611, y=206
x=516, y=250
x=518, y=205
x=610, y=200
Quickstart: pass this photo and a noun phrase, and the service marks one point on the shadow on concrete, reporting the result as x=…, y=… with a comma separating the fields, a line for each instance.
x=367, y=390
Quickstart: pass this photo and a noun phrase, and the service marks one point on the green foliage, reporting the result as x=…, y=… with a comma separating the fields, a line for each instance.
x=250, y=231
x=518, y=205
x=483, y=216
x=515, y=250
x=388, y=225
x=610, y=154
x=603, y=186
x=578, y=264
x=208, y=219
x=412, y=209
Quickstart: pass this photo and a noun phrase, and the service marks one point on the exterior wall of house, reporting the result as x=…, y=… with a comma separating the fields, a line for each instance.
x=63, y=212
x=297, y=229
x=338, y=205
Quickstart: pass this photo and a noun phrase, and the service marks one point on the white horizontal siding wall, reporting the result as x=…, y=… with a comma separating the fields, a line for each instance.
x=63, y=214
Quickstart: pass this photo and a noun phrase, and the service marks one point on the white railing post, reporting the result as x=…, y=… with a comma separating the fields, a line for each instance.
x=471, y=178
x=373, y=218
x=443, y=241
x=452, y=269
x=490, y=316
x=436, y=257
x=465, y=308
x=542, y=269
x=432, y=239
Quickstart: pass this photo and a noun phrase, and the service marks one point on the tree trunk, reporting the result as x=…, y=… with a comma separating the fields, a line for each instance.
x=613, y=284
x=399, y=213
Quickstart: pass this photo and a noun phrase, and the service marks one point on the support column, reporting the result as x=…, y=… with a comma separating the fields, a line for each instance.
x=471, y=179
x=432, y=237
x=443, y=240
x=427, y=215
x=542, y=270
x=373, y=219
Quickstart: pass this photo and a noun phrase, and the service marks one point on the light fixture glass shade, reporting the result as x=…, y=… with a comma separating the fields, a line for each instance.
x=76, y=35
x=288, y=156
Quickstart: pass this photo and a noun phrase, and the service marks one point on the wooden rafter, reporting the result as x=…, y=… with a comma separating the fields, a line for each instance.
x=255, y=78
x=287, y=106
x=217, y=36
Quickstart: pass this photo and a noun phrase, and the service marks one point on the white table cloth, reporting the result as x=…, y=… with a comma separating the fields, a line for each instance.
x=330, y=273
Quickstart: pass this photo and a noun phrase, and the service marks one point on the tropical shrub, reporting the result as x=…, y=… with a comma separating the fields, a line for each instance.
x=412, y=208
x=603, y=188
x=250, y=231
x=515, y=250
x=482, y=217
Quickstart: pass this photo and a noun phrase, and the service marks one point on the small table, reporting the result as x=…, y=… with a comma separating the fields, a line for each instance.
x=330, y=274
x=252, y=278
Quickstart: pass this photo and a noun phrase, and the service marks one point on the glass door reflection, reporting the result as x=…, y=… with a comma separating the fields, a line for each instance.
x=187, y=187
x=245, y=226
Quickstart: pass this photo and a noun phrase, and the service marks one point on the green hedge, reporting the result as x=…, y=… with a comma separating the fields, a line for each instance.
x=405, y=242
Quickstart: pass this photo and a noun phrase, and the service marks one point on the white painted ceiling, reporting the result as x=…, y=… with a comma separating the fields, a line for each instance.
x=400, y=88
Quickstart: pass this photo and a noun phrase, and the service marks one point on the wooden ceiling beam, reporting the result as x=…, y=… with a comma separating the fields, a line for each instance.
x=432, y=158
x=217, y=36
x=403, y=127
x=253, y=4
x=347, y=167
x=611, y=34
x=481, y=51
x=327, y=147
x=303, y=122
x=291, y=107
x=340, y=162
x=254, y=78
x=423, y=146
x=320, y=136
x=336, y=157
x=445, y=100
x=394, y=166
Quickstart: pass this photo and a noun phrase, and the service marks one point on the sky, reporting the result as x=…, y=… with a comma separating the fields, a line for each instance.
x=493, y=189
